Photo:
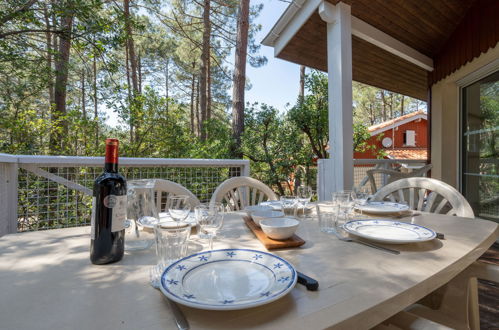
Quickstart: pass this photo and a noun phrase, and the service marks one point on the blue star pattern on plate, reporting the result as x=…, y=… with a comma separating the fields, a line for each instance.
x=181, y=267
x=231, y=254
x=283, y=279
x=278, y=265
x=203, y=258
x=226, y=301
x=257, y=256
x=172, y=281
x=265, y=294
x=189, y=296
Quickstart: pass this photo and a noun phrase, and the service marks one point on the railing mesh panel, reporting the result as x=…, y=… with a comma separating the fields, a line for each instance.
x=45, y=204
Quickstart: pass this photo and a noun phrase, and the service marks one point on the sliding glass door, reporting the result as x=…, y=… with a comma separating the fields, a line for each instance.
x=480, y=146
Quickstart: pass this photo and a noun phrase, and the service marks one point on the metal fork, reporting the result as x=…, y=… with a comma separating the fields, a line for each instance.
x=345, y=238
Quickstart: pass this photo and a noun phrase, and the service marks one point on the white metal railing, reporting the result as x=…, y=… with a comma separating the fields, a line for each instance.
x=361, y=166
x=42, y=192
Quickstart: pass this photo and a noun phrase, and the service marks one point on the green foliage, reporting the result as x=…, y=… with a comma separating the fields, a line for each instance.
x=273, y=144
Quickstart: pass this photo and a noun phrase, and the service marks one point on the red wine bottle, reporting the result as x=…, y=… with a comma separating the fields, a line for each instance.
x=108, y=211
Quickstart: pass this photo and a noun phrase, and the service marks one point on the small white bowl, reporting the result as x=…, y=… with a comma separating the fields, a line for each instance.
x=255, y=208
x=279, y=228
x=258, y=216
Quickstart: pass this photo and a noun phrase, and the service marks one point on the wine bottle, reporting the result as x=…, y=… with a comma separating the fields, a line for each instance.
x=108, y=211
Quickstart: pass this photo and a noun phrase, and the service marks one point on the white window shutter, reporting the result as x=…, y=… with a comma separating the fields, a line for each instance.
x=411, y=138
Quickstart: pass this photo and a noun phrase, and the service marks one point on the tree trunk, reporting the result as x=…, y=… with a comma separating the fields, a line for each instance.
x=129, y=90
x=48, y=36
x=301, y=92
x=83, y=105
x=205, y=54
x=240, y=77
x=131, y=47
x=208, y=90
x=139, y=69
x=402, y=105
x=383, y=104
x=198, y=117
x=193, y=86
x=94, y=64
x=61, y=79
x=167, y=85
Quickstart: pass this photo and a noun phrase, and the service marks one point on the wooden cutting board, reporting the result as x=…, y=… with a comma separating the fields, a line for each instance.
x=269, y=243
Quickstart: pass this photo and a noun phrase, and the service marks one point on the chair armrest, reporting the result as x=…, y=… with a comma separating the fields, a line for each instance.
x=485, y=271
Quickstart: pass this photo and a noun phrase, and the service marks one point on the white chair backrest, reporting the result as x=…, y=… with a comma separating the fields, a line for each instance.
x=242, y=191
x=169, y=188
x=394, y=175
x=427, y=195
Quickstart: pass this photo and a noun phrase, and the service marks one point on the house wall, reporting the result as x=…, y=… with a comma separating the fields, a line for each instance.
x=420, y=126
x=445, y=117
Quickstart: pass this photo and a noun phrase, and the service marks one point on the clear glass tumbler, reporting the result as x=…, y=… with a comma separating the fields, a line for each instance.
x=327, y=213
x=171, y=242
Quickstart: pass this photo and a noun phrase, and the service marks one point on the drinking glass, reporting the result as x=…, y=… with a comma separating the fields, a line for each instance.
x=288, y=204
x=303, y=196
x=142, y=215
x=178, y=207
x=211, y=220
x=341, y=197
x=327, y=213
x=171, y=242
x=361, y=195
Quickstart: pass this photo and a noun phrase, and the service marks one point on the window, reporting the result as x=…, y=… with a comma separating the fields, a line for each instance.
x=480, y=146
x=409, y=138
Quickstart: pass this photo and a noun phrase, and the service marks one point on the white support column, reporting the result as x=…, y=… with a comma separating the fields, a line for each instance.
x=339, y=63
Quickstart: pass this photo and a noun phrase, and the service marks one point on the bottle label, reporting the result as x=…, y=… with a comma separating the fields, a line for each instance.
x=92, y=220
x=118, y=204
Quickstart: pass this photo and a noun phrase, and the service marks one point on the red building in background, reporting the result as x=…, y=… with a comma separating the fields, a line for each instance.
x=404, y=137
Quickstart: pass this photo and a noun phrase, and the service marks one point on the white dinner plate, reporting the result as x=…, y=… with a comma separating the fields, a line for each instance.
x=276, y=205
x=228, y=279
x=382, y=207
x=389, y=231
x=149, y=222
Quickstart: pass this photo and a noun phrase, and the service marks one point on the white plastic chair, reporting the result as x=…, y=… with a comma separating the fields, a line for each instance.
x=453, y=306
x=169, y=188
x=427, y=195
x=242, y=191
x=393, y=175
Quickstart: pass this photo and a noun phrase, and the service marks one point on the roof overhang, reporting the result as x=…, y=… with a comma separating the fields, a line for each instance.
x=392, y=45
x=399, y=123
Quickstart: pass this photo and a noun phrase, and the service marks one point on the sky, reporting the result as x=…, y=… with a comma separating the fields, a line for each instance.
x=275, y=83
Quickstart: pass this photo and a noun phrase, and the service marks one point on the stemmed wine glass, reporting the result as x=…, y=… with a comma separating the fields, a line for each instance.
x=303, y=196
x=178, y=207
x=210, y=219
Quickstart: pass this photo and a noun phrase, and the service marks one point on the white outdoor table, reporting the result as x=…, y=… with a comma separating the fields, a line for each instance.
x=48, y=282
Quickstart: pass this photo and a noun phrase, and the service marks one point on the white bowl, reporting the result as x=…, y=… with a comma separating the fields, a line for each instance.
x=258, y=216
x=279, y=228
x=254, y=208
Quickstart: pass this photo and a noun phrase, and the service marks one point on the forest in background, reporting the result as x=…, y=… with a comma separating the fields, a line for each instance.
x=173, y=72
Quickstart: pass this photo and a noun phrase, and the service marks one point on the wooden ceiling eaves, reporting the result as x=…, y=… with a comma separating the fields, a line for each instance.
x=371, y=64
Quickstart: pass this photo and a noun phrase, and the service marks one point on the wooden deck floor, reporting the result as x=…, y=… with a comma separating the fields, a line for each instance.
x=488, y=294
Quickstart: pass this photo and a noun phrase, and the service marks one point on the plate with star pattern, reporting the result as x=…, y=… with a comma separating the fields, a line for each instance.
x=389, y=231
x=228, y=279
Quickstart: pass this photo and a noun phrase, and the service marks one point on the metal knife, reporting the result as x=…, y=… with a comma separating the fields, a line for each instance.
x=180, y=319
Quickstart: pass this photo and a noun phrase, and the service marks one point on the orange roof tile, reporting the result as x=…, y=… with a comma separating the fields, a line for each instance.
x=407, y=153
x=395, y=120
